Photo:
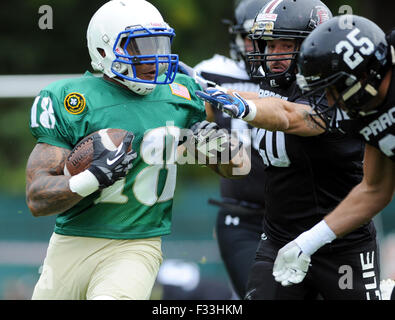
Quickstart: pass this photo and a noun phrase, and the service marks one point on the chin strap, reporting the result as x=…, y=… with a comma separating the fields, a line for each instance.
x=141, y=89
x=283, y=81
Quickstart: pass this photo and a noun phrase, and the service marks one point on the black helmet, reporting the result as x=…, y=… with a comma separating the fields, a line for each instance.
x=244, y=15
x=283, y=19
x=350, y=55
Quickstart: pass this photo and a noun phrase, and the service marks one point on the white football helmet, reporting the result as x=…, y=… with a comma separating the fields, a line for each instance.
x=138, y=26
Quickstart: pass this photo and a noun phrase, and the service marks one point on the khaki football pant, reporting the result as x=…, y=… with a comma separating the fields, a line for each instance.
x=78, y=268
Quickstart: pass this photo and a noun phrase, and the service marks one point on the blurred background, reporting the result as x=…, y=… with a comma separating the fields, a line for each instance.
x=191, y=253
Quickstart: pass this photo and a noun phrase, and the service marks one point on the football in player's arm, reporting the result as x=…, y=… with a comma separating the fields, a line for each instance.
x=49, y=191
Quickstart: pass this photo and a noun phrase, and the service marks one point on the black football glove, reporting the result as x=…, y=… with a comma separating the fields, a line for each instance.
x=212, y=141
x=109, y=166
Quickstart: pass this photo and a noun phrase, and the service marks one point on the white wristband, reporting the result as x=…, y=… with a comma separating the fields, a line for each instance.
x=313, y=239
x=252, y=114
x=84, y=183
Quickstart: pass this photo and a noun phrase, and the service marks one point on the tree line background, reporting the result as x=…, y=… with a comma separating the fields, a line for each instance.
x=26, y=49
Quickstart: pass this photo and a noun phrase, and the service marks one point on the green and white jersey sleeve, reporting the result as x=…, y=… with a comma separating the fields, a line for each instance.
x=45, y=123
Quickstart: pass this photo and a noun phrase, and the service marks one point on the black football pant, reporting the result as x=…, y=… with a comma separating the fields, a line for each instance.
x=350, y=273
x=238, y=238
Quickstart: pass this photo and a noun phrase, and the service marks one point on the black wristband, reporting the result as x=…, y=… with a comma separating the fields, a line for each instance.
x=103, y=179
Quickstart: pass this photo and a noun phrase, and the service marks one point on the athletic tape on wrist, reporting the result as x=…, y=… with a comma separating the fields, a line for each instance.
x=252, y=112
x=83, y=183
x=313, y=239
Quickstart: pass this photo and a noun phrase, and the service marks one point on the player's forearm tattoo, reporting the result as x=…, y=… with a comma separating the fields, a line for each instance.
x=47, y=189
x=310, y=123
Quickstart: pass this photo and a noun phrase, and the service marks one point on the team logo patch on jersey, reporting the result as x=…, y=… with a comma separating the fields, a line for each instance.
x=74, y=103
x=180, y=90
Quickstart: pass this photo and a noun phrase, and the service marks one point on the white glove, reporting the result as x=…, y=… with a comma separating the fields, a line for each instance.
x=291, y=265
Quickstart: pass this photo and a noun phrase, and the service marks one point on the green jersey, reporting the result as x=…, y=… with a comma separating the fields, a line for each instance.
x=139, y=206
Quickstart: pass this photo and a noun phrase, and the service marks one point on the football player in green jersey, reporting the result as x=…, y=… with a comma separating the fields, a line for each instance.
x=107, y=238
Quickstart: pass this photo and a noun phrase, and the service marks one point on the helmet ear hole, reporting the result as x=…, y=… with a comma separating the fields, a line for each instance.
x=101, y=52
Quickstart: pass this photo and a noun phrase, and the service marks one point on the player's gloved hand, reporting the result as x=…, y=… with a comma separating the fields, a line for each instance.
x=235, y=105
x=189, y=71
x=109, y=166
x=209, y=138
x=291, y=265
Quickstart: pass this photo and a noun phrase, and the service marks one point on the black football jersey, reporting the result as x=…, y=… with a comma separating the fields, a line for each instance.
x=378, y=128
x=305, y=177
x=230, y=74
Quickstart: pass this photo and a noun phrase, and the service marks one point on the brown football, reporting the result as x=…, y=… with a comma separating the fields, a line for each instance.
x=81, y=156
